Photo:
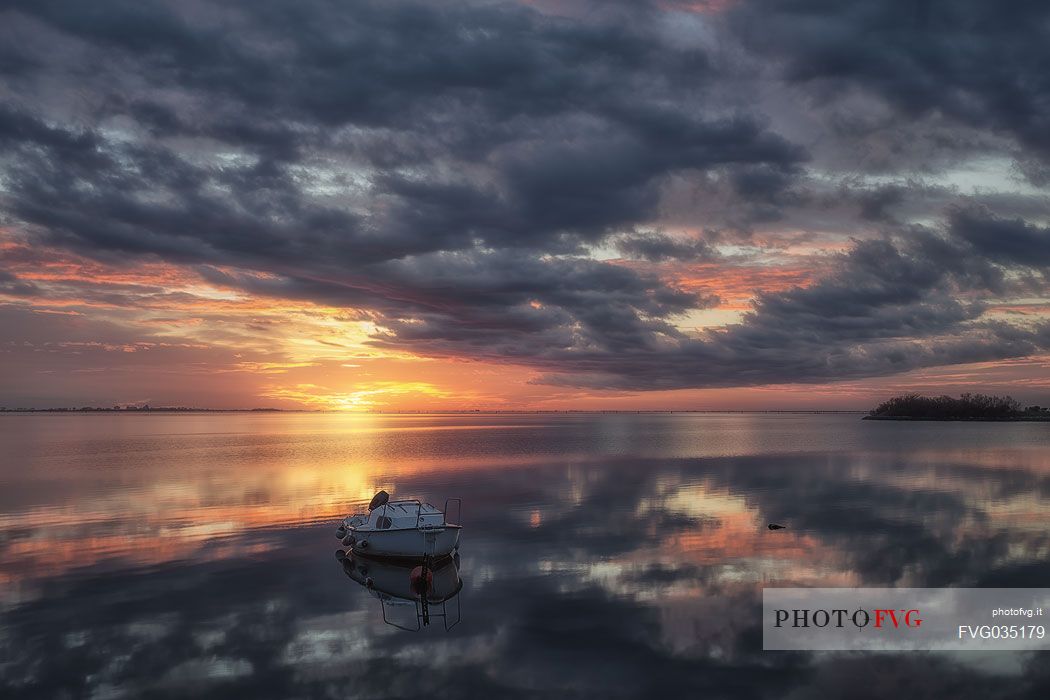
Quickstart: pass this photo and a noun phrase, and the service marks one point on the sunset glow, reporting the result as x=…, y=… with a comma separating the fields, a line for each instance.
x=680, y=249
x=485, y=349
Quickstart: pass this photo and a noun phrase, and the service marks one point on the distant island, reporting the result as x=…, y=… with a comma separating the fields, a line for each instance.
x=968, y=407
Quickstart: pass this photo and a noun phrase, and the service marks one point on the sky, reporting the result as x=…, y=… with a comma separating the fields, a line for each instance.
x=512, y=204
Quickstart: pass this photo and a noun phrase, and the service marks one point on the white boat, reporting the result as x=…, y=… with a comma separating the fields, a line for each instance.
x=402, y=528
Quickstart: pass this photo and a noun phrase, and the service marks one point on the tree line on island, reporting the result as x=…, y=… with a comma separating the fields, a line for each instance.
x=966, y=407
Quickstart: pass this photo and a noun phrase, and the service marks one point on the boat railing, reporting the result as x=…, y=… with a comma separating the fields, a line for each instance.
x=448, y=618
x=419, y=512
x=416, y=501
x=423, y=612
x=459, y=512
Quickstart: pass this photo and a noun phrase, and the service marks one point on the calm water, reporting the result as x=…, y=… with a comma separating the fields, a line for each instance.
x=602, y=555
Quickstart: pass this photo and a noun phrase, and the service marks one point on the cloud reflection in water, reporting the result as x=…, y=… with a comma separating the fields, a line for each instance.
x=183, y=555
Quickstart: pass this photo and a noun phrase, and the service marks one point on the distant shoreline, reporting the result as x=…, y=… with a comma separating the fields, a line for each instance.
x=141, y=411
x=1003, y=419
x=155, y=410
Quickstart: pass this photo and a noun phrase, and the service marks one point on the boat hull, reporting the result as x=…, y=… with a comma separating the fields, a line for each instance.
x=408, y=543
x=395, y=579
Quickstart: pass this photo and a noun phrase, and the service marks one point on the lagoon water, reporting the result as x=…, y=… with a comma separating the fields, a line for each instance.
x=604, y=555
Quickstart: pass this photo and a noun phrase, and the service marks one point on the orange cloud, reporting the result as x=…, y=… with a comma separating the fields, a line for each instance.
x=149, y=332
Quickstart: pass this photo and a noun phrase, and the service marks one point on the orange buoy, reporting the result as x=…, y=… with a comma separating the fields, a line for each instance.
x=420, y=584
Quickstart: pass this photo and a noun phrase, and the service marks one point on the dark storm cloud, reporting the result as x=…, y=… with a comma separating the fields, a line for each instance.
x=568, y=127
x=448, y=170
x=582, y=301
x=876, y=202
x=1008, y=241
x=888, y=306
x=11, y=284
x=656, y=247
x=977, y=63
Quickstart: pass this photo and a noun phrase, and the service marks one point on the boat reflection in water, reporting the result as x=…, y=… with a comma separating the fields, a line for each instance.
x=411, y=592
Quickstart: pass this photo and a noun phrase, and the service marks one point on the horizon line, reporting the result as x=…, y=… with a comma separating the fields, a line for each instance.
x=194, y=409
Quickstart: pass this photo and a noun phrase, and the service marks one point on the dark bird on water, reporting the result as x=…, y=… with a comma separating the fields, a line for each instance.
x=774, y=526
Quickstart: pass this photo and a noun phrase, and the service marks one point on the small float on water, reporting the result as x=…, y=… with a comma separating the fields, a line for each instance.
x=401, y=529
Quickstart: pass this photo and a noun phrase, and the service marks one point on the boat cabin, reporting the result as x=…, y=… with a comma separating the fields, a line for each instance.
x=399, y=515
